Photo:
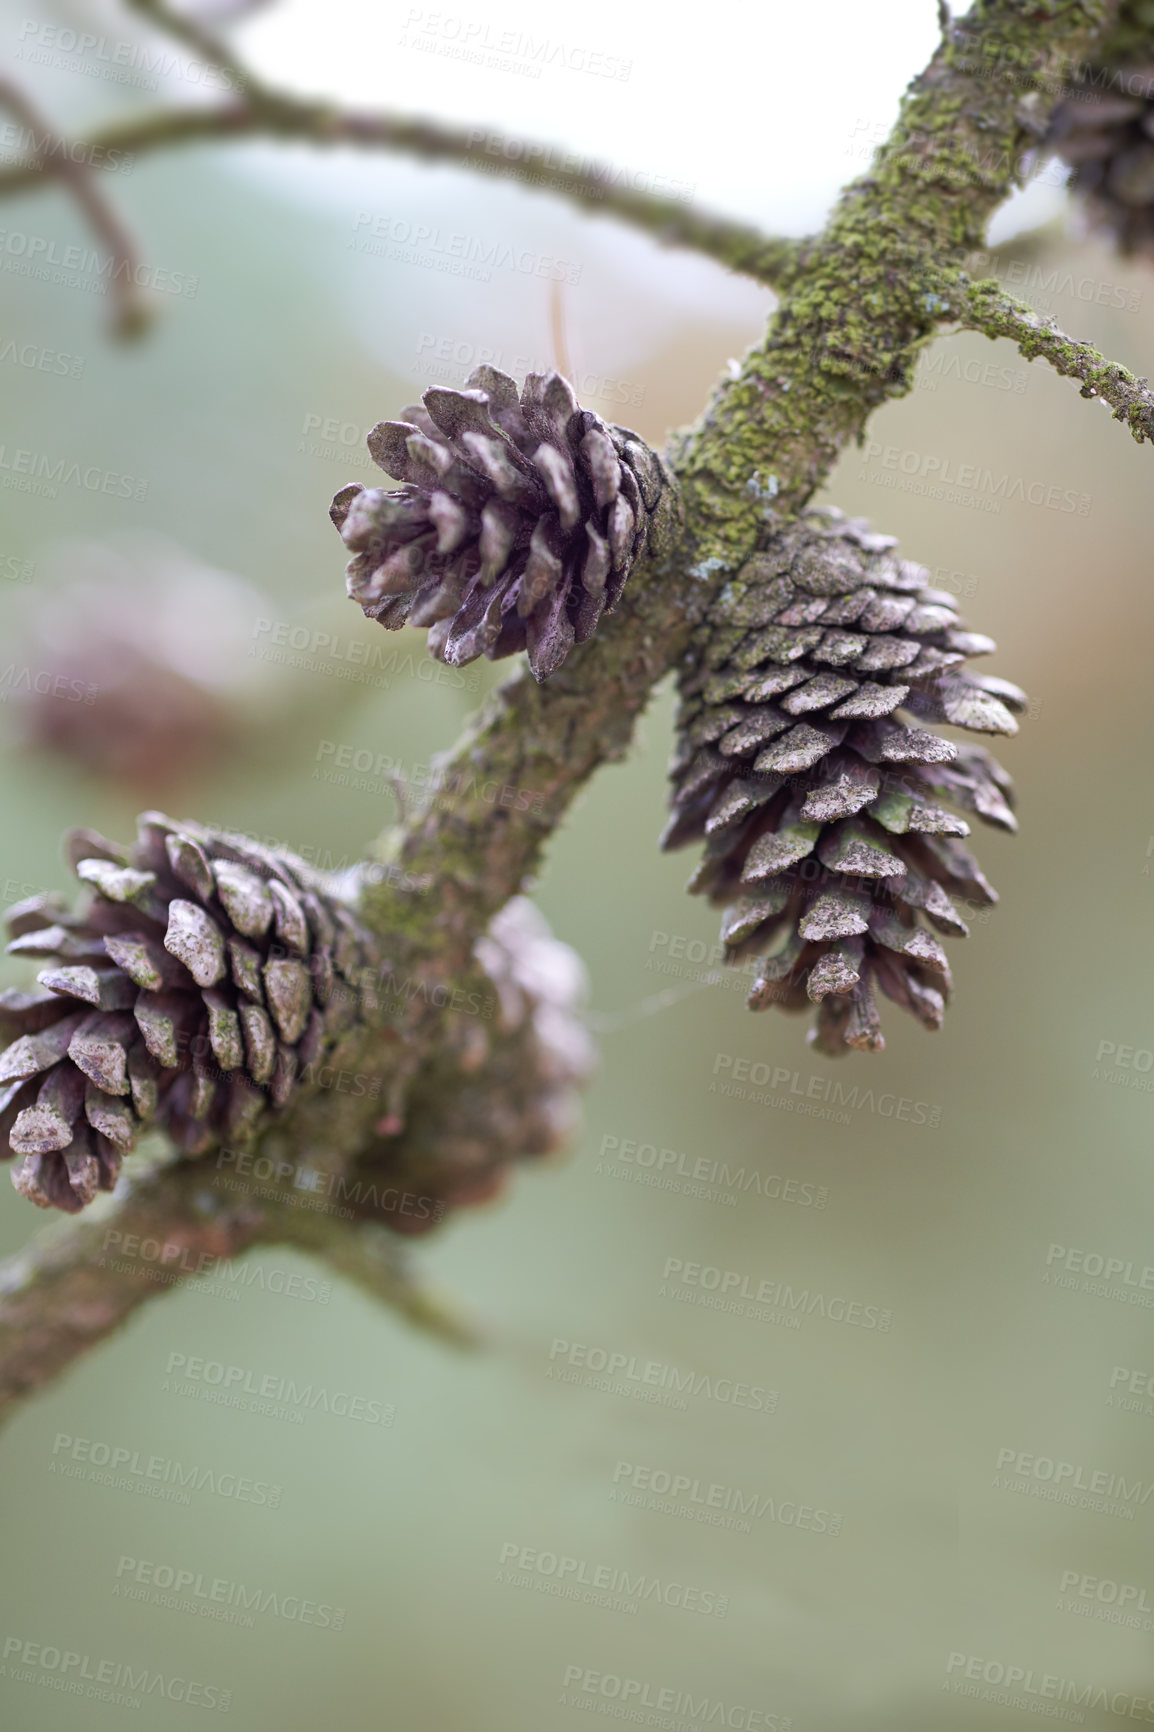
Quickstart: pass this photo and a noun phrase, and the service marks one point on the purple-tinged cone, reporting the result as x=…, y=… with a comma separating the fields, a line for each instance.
x=202, y=977
x=1106, y=135
x=518, y=523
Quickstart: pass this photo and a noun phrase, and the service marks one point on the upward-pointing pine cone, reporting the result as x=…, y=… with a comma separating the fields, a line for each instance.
x=1106, y=134
x=518, y=524
x=817, y=802
x=203, y=976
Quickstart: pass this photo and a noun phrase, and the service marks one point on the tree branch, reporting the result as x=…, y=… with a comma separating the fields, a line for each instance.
x=82, y=1279
x=986, y=308
x=868, y=296
x=53, y=155
x=862, y=301
x=262, y=113
x=75, y=1285
x=207, y=46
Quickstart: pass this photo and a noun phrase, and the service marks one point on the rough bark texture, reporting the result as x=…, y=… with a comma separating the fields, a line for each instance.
x=859, y=302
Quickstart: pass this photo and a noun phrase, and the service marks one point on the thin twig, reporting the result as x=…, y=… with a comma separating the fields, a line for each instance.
x=987, y=308
x=544, y=168
x=204, y=43
x=377, y=1262
x=53, y=155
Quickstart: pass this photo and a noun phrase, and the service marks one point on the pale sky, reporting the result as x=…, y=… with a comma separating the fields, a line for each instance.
x=766, y=110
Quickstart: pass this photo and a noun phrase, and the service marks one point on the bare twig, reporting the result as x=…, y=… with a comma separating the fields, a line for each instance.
x=263, y=113
x=377, y=1262
x=204, y=43
x=54, y=155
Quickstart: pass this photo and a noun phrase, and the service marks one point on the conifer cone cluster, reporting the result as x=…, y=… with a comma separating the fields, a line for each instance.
x=518, y=523
x=502, y=1088
x=817, y=800
x=1106, y=135
x=200, y=979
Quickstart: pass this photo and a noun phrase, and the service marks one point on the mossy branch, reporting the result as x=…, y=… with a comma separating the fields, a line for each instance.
x=987, y=308
x=859, y=303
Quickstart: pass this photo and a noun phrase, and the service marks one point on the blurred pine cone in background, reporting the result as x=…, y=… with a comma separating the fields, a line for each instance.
x=516, y=529
x=1105, y=132
x=818, y=804
x=201, y=977
x=135, y=666
x=521, y=1036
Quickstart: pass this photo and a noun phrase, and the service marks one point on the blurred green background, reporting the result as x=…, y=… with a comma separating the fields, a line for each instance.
x=927, y=1566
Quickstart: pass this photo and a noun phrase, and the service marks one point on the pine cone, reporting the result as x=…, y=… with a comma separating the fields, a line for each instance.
x=1106, y=134
x=139, y=664
x=516, y=528
x=500, y=1091
x=200, y=978
x=818, y=804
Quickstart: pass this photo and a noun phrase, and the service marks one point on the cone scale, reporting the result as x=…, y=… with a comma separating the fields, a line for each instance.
x=1106, y=136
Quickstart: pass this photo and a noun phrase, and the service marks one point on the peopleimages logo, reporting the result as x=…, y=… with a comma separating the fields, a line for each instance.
x=41, y=257
x=667, y=1167
x=1073, y=1262
x=174, y=1261
x=154, y=1475
x=459, y=254
x=216, y=1597
x=118, y=1682
x=1103, y=1591
x=647, y=1378
x=37, y=359
x=681, y=1494
x=39, y=472
x=233, y=1385
x=46, y=683
x=546, y=159
x=968, y=483
x=572, y=1578
x=1038, y=282
x=120, y=61
x=731, y=1290
x=582, y=1687
x=1070, y=1483
x=1021, y=1686
x=743, y=1078
x=487, y=44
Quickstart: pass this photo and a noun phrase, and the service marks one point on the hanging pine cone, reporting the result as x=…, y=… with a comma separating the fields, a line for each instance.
x=817, y=802
x=517, y=526
x=1106, y=134
x=202, y=975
